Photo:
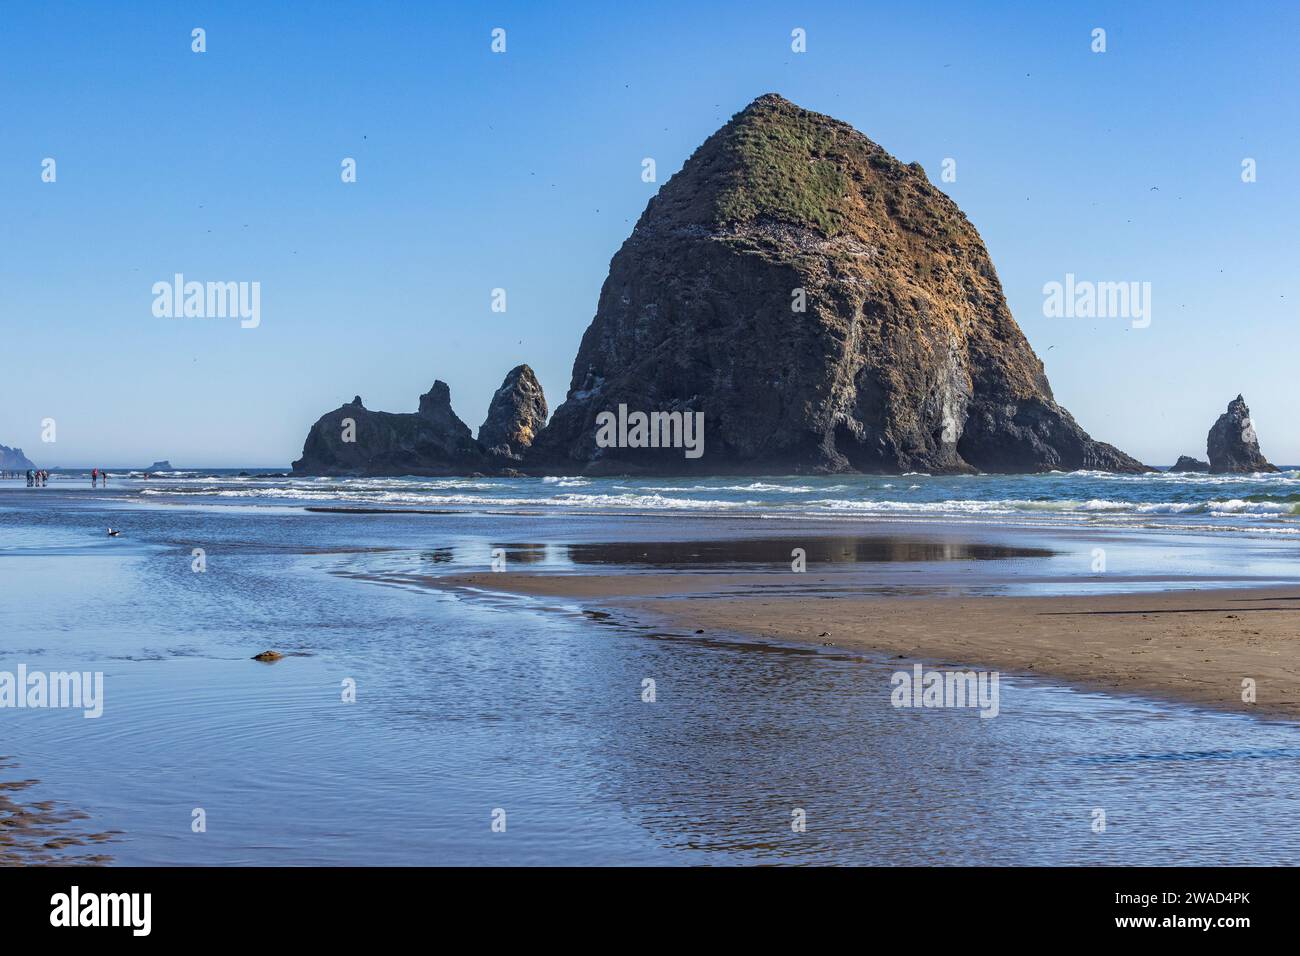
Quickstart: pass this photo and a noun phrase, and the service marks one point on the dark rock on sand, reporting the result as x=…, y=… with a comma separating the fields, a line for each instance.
x=268, y=657
x=13, y=459
x=430, y=441
x=826, y=308
x=1188, y=463
x=515, y=416
x=1232, y=445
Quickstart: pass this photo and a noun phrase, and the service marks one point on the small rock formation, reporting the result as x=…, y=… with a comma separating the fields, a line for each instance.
x=163, y=465
x=515, y=416
x=352, y=440
x=1232, y=445
x=1188, y=463
x=825, y=308
x=268, y=657
x=13, y=459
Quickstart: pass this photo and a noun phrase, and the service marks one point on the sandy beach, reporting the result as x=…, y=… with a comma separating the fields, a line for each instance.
x=1195, y=646
x=771, y=688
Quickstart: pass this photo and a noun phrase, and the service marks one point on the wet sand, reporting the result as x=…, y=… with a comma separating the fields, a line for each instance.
x=43, y=833
x=1195, y=646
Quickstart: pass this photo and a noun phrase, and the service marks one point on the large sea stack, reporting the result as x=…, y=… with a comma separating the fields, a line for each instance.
x=1232, y=445
x=826, y=309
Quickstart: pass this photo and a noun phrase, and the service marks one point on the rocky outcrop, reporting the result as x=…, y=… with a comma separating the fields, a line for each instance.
x=163, y=465
x=825, y=308
x=1188, y=463
x=1232, y=445
x=515, y=416
x=352, y=440
x=13, y=459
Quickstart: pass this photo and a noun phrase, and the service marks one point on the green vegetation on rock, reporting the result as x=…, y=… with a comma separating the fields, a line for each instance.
x=782, y=165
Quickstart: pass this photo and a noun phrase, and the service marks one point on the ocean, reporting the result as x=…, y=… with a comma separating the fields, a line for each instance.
x=487, y=728
x=1262, y=504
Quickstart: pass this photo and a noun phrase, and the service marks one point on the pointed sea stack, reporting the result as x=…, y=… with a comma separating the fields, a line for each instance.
x=826, y=309
x=1232, y=445
x=516, y=414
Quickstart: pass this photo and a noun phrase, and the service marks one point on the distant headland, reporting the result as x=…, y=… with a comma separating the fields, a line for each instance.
x=13, y=459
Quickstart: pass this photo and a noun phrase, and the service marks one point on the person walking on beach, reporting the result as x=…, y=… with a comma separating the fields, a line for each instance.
x=94, y=476
x=29, y=477
x=103, y=477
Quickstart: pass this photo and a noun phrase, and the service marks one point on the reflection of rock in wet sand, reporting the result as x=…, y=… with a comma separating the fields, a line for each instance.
x=523, y=553
x=848, y=549
x=43, y=833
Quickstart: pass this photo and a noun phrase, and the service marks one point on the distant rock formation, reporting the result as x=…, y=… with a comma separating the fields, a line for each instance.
x=1232, y=445
x=13, y=459
x=515, y=416
x=352, y=440
x=825, y=308
x=163, y=465
x=1188, y=463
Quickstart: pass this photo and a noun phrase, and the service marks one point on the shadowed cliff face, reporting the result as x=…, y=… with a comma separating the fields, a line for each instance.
x=825, y=308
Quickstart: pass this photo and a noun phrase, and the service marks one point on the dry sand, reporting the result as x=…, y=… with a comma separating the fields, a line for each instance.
x=1195, y=646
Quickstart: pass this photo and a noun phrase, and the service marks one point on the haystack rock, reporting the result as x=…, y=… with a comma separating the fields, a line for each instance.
x=1232, y=445
x=826, y=309
x=515, y=416
x=1188, y=463
x=352, y=440
x=13, y=459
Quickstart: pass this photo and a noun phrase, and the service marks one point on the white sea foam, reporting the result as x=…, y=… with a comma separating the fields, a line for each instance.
x=758, y=486
x=1265, y=503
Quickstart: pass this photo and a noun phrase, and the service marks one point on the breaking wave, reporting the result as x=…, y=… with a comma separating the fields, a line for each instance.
x=1262, y=503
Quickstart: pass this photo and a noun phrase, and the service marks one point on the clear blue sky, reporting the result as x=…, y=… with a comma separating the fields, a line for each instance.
x=523, y=171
